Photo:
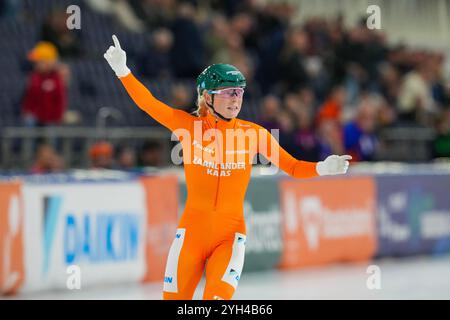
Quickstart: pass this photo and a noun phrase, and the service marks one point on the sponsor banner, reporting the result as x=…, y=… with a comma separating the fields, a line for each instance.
x=413, y=214
x=161, y=195
x=11, y=234
x=327, y=220
x=97, y=229
x=262, y=218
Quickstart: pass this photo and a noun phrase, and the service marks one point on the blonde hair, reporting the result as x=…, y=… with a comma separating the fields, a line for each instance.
x=202, y=107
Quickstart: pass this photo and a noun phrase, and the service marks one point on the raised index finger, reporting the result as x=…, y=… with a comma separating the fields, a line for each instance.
x=346, y=157
x=116, y=42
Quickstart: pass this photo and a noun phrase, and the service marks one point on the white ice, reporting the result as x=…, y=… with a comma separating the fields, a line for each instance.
x=406, y=278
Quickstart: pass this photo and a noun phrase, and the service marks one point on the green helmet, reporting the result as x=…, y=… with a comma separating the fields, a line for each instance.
x=220, y=75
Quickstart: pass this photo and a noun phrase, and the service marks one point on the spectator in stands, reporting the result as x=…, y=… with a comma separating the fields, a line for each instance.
x=233, y=51
x=330, y=138
x=126, y=158
x=216, y=38
x=360, y=140
x=415, y=99
x=291, y=59
x=182, y=97
x=286, y=133
x=305, y=138
x=439, y=89
x=307, y=99
x=333, y=106
x=151, y=154
x=122, y=11
x=271, y=107
x=440, y=146
x=154, y=13
x=101, y=155
x=55, y=30
x=45, y=99
x=46, y=160
x=230, y=7
x=292, y=103
x=244, y=25
x=387, y=117
x=390, y=83
x=297, y=64
x=154, y=60
x=188, y=52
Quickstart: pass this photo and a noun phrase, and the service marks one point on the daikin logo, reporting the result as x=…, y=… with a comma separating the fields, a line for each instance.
x=101, y=237
x=91, y=235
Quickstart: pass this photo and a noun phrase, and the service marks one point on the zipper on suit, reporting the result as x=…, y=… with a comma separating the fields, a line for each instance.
x=218, y=178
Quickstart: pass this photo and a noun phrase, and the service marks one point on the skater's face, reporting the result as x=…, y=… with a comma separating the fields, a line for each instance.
x=227, y=101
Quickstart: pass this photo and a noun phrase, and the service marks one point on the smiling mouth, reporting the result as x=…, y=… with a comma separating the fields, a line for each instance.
x=232, y=108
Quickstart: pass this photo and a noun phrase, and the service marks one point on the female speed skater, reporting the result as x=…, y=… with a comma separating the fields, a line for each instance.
x=211, y=232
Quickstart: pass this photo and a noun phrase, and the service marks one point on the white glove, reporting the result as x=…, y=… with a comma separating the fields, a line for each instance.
x=333, y=164
x=117, y=58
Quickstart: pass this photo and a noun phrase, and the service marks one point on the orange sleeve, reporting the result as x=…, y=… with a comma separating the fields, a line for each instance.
x=167, y=116
x=269, y=147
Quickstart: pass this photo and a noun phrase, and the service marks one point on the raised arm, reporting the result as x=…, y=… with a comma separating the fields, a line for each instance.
x=165, y=115
x=269, y=147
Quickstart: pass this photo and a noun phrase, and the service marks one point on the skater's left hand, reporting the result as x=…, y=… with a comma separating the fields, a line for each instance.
x=333, y=164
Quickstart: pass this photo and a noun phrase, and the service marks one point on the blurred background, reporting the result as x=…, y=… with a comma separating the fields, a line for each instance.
x=314, y=70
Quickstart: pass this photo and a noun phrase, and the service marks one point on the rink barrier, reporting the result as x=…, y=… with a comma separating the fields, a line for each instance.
x=12, y=271
x=161, y=196
x=290, y=223
x=263, y=221
x=327, y=220
x=111, y=232
x=413, y=214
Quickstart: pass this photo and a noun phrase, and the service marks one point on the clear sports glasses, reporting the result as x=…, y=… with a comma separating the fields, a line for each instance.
x=228, y=92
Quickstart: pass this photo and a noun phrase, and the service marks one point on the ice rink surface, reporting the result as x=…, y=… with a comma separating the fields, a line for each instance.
x=406, y=278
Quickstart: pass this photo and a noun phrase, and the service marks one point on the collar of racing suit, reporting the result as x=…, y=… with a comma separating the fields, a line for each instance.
x=221, y=124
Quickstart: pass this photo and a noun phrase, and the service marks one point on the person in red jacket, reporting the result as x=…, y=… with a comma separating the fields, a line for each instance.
x=45, y=97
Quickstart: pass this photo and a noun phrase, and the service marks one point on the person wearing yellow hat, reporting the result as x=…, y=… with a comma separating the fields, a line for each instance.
x=44, y=56
x=43, y=51
x=44, y=101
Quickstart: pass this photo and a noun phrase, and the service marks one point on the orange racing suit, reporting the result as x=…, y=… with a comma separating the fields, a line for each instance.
x=217, y=158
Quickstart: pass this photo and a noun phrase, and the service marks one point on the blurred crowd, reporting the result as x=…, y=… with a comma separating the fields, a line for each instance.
x=330, y=89
x=102, y=155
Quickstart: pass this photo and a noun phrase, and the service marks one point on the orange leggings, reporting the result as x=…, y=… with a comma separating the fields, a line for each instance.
x=212, y=239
